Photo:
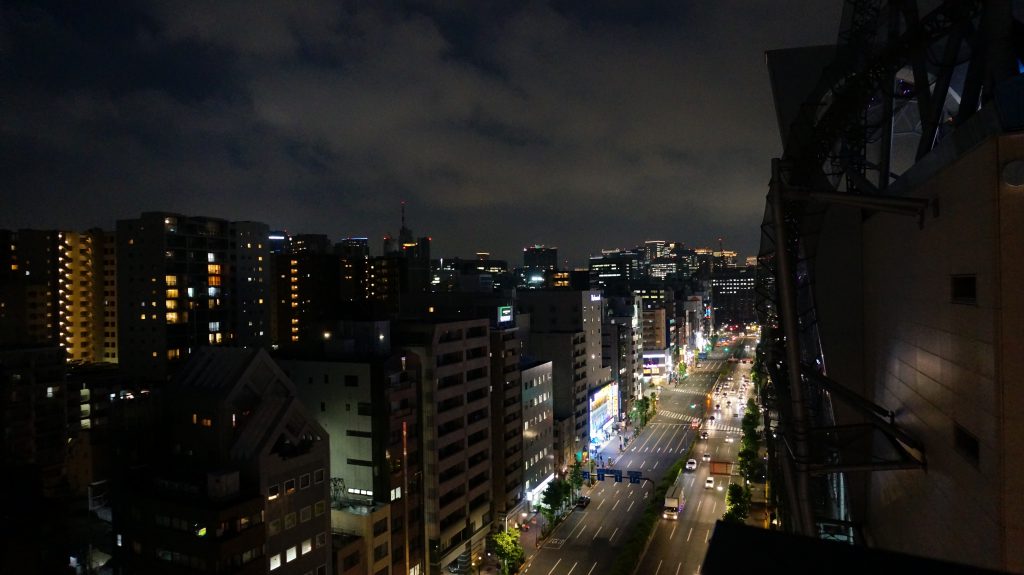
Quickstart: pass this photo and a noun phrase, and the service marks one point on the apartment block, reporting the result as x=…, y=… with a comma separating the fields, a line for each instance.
x=184, y=282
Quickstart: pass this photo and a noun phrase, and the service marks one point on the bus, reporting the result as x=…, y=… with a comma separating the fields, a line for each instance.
x=675, y=500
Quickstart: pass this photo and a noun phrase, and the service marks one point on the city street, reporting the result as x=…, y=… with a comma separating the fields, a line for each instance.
x=679, y=546
x=589, y=537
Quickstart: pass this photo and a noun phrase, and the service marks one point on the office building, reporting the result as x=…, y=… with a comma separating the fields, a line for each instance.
x=565, y=328
x=538, y=432
x=455, y=406
x=732, y=295
x=364, y=394
x=537, y=260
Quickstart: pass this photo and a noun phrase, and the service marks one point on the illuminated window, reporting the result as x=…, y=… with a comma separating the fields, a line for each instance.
x=213, y=269
x=173, y=353
x=273, y=492
x=172, y=293
x=290, y=554
x=275, y=561
x=171, y=280
x=195, y=418
x=214, y=326
x=307, y=546
x=207, y=422
x=210, y=257
x=214, y=280
x=289, y=486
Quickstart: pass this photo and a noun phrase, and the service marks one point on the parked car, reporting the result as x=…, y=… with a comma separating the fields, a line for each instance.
x=691, y=464
x=583, y=501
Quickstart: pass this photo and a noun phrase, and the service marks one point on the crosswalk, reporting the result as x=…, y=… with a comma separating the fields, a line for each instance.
x=689, y=418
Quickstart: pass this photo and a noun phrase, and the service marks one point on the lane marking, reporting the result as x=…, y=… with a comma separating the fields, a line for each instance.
x=655, y=571
x=630, y=506
x=592, y=568
x=613, y=534
x=689, y=534
x=573, y=567
x=616, y=504
x=699, y=504
x=596, y=532
x=673, y=534
x=556, y=565
x=707, y=536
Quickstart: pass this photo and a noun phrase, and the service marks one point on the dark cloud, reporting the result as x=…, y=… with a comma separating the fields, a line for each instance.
x=579, y=124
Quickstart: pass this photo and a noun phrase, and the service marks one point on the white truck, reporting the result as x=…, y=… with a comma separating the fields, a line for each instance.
x=675, y=500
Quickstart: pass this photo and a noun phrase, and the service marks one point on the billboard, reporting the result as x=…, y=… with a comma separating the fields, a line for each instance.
x=504, y=314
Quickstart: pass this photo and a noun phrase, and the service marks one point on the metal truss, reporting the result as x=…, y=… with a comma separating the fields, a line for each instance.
x=899, y=84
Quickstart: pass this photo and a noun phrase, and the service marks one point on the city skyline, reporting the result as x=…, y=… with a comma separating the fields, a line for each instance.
x=561, y=125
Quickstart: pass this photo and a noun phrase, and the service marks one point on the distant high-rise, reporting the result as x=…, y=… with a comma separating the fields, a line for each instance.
x=732, y=295
x=59, y=288
x=537, y=260
x=181, y=286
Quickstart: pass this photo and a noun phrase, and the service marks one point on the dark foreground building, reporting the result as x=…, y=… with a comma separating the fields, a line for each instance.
x=235, y=479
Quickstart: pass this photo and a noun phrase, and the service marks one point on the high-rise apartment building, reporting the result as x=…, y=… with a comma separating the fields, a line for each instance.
x=59, y=287
x=180, y=287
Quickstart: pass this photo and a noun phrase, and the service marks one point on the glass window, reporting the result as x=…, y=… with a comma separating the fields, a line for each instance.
x=290, y=554
x=289, y=486
x=275, y=561
x=289, y=520
x=273, y=492
x=305, y=514
x=304, y=481
x=318, y=476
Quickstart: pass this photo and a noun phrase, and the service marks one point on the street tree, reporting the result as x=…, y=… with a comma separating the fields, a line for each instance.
x=737, y=501
x=576, y=476
x=509, y=549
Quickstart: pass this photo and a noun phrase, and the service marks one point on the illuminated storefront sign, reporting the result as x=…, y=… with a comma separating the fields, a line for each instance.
x=604, y=411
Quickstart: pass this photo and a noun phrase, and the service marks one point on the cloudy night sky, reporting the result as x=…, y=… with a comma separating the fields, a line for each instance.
x=583, y=125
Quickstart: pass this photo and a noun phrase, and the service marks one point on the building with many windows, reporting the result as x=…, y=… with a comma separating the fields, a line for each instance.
x=456, y=442
x=183, y=282
x=364, y=394
x=235, y=476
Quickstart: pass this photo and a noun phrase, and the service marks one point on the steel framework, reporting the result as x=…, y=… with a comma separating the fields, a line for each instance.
x=898, y=85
